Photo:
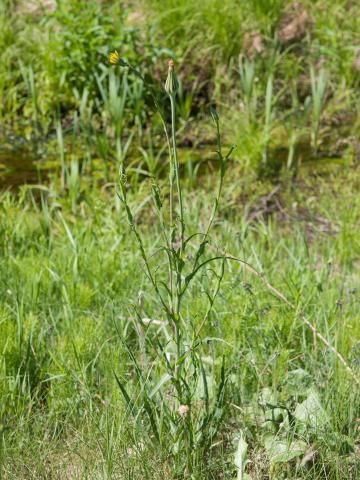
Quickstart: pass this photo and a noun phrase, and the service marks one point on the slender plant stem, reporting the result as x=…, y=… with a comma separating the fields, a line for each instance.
x=177, y=299
x=176, y=165
x=181, y=215
x=171, y=207
x=218, y=196
x=171, y=177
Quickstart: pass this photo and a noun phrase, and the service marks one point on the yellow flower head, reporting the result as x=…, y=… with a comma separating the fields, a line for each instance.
x=114, y=57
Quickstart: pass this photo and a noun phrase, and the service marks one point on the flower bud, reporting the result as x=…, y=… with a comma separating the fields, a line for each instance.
x=172, y=84
x=183, y=410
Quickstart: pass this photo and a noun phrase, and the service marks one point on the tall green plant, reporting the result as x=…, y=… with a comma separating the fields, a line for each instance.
x=178, y=416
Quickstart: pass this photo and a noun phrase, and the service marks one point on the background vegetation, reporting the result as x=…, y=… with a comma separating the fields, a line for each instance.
x=85, y=388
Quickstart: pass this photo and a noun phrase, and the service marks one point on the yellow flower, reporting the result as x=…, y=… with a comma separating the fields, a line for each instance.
x=114, y=57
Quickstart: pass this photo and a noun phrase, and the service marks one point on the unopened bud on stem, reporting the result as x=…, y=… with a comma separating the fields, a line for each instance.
x=183, y=410
x=172, y=84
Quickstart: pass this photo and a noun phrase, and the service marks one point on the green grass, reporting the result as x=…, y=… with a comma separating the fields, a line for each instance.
x=47, y=77
x=68, y=282
x=131, y=345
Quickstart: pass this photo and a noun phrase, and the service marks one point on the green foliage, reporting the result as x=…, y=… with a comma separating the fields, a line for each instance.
x=67, y=51
x=75, y=54
x=69, y=283
x=212, y=26
x=133, y=343
x=279, y=108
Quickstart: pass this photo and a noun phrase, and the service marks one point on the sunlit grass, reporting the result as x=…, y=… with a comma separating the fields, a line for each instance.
x=125, y=362
x=68, y=283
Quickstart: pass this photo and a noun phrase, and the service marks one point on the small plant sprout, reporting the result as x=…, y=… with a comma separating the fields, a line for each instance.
x=318, y=93
x=247, y=83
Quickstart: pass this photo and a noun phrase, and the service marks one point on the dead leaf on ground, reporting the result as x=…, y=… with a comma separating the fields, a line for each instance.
x=253, y=44
x=294, y=25
x=266, y=205
x=35, y=7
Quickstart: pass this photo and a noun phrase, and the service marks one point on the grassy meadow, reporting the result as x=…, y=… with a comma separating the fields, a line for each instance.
x=179, y=241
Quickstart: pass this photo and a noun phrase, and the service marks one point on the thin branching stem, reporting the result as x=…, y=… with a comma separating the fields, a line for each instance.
x=177, y=169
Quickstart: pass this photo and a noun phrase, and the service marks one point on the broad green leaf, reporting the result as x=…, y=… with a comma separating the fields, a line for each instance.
x=311, y=413
x=297, y=382
x=240, y=458
x=282, y=451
